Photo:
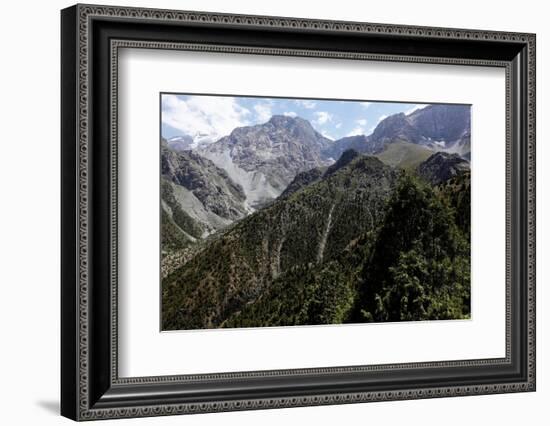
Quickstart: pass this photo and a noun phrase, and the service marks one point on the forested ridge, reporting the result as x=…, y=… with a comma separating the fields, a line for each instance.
x=359, y=241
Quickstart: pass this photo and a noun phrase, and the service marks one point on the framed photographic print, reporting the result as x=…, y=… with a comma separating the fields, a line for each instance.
x=263, y=212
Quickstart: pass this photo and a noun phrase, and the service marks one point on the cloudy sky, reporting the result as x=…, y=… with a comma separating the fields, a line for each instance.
x=217, y=116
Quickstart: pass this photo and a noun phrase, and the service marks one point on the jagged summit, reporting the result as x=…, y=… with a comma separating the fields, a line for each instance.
x=266, y=157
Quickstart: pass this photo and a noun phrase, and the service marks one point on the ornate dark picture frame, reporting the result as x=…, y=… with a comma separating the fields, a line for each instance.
x=90, y=385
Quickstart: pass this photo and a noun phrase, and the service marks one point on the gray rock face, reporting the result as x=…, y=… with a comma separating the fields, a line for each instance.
x=442, y=166
x=198, y=179
x=396, y=127
x=442, y=122
x=265, y=158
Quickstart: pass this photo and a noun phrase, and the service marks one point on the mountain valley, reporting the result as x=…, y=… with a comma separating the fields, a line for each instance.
x=275, y=224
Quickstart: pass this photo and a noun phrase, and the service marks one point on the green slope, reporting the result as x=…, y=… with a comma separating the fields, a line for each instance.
x=363, y=243
x=303, y=231
x=404, y=155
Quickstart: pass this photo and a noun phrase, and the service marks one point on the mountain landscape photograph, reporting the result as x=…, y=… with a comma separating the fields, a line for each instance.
x=293, y=212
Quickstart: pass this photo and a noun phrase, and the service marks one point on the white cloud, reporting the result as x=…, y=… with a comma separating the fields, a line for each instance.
x=414, y=108
x=263, y=111
x=358, y=130
x=290, y=114
x=210, y=116
x=365, y=104
x=306, y=103
x=322, y=117
x=338, y=125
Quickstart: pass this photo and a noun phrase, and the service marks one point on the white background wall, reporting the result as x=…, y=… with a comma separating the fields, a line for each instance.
x=29, y=213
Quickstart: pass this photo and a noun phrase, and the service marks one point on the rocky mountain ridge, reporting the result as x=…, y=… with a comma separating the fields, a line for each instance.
x=218, y=183
x=202, y=190
x=265, y=158
x=437, y=127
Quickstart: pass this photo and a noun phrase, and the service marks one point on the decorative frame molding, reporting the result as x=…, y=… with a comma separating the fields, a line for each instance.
x=91, y=388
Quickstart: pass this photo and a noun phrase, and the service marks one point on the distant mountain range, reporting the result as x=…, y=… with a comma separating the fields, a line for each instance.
x=255, y=164
x=188, y=142
x=435, y=127
x=252, y=166
x=180, y=143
